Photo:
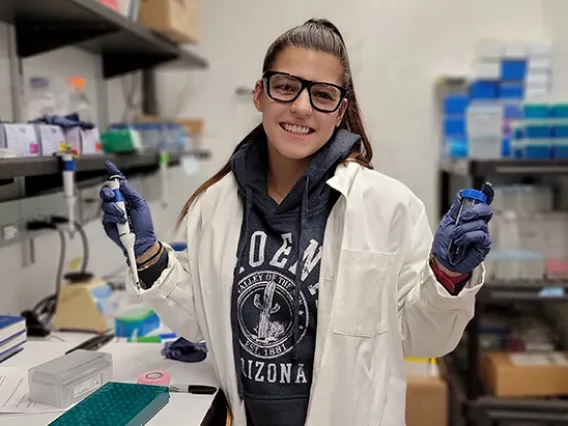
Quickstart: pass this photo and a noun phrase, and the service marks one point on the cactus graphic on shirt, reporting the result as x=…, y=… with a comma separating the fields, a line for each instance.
x=266, y=308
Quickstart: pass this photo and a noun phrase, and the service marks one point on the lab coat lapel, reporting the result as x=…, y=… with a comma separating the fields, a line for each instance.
x=334, y=231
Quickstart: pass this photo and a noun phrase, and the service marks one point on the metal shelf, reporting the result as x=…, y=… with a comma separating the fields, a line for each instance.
x=503, y=167
x=523, y=291
x=43, y=174
x=124, y=45
x=482, y=409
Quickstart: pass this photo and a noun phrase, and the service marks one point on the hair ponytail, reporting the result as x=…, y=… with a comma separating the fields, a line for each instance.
x=320, y=35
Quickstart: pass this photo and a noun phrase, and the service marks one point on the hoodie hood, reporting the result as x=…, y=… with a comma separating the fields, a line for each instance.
x=249, y=166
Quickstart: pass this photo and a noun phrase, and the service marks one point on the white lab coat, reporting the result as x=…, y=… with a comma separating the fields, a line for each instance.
x=378, y=298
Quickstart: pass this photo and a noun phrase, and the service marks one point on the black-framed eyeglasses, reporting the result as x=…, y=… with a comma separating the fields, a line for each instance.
x=284, y=87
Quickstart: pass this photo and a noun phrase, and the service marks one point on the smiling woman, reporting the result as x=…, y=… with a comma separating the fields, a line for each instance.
x=309, y=274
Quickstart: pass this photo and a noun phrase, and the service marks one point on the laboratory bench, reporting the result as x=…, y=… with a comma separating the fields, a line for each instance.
x=129, y=361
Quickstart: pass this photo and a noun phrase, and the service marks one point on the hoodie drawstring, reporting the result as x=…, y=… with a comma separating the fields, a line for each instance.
x=235, y=289
x=300, y=268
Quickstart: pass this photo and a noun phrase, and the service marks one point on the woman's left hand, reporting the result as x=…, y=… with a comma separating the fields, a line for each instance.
x=472, y=233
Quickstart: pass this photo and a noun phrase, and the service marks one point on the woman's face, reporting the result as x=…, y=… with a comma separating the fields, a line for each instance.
x=296, y=129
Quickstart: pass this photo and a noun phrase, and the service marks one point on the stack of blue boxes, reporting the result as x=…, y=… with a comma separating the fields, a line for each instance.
x=542, y=133
x=455, y=107
x=483, y=122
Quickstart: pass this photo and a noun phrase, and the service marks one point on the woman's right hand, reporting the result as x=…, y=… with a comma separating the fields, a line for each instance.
x=138, y=210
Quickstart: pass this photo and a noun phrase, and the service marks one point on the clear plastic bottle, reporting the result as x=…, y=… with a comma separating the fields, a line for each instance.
x=40, y=100
x=78, y=100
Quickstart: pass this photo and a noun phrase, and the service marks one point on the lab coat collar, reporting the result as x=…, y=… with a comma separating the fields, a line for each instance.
x=342, y=180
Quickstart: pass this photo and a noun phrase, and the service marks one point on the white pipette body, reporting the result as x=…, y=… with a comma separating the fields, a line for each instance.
x=69, y=189
x=127, y=237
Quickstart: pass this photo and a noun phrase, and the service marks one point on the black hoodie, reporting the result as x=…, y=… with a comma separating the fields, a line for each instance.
x=274, y=312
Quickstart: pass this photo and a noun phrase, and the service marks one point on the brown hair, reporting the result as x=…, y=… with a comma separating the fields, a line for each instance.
x=319, y=35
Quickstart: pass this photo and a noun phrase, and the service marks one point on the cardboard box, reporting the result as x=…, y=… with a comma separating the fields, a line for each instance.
x=426, y=395
x=526, y=374
x=174, y=19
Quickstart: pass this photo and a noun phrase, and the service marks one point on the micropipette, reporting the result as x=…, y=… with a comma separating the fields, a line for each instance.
x=127, y=237
x=69, y=189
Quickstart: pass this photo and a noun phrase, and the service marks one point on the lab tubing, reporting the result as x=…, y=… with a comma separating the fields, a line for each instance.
x=470, y=197
x=127, y=237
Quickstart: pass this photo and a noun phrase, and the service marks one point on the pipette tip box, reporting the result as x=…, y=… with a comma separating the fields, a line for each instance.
x=69, y=378
x=117, y=404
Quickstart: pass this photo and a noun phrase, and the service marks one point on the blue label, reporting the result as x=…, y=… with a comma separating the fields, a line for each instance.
x=118, y=197
x=69, y=166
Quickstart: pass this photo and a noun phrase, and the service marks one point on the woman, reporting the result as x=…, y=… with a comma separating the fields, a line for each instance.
x=310, y=275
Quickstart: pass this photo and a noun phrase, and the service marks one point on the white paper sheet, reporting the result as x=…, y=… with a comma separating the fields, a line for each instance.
x=14, y=393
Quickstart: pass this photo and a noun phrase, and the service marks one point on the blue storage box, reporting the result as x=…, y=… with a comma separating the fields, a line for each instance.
x=518, y=133
x=517, y=149
x=483, y=89
x=506, y=147
x=537, y=111
x=454, y=126
x=538, y=151
x=513, y=69
x=513, y=91
x=560, y=131
x=456, y=148
x=513, y=111
x=456, y=104
x=538, y=131
x=559, y=111
x=560, y=150
x=518, y=154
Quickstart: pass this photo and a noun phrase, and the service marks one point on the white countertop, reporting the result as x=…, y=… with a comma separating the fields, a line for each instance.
x=129, y=361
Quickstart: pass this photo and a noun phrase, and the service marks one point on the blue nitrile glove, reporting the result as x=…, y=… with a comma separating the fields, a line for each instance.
x=66, y=122
x=472, y=232
x=138, y=210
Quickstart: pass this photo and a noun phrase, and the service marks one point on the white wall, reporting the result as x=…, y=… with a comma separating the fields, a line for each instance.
x=397, y=49
x=554, y=27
